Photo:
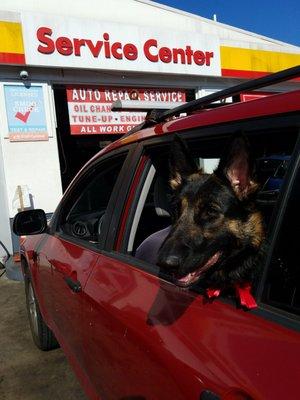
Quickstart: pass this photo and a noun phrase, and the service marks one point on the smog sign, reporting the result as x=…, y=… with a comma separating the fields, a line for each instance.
x=90, y=108
x=25, y=113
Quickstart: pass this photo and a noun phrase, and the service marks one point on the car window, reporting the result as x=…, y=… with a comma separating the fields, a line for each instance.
x=282, y=286
x=84, y=215
x=153, y=206
x=155, y=201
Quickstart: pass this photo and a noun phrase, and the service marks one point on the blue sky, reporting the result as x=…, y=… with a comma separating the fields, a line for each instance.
x=277, y=19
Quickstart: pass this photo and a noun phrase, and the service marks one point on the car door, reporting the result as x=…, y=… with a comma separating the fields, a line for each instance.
x=149, y=339
x=67, y=256
x=119, y=364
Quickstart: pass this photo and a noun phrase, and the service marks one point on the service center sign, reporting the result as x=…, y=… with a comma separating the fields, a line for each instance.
x=90, y=108
x=71, y=42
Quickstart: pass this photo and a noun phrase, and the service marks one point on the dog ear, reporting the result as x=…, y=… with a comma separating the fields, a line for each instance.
x=236, y=166
x=181, y=163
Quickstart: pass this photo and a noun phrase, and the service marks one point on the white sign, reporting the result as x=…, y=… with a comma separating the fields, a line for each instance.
x=76, y=43
x=90, y=108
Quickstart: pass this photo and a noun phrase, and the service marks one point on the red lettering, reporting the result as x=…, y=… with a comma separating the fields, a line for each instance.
x=64, y=46
x=77, y=44
x=176, y=55
x=165, y=55
x=42, y=34
x=189, y=53
x=177, y=52
x=199, y=57
x=103, y=48
x=114, y=50
x=106, y=45
x=95, y=48
x=208, y=56
x=148, y=44
x=130, y=51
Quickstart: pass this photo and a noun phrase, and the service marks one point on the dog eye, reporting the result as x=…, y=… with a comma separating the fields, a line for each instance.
x=213, y=210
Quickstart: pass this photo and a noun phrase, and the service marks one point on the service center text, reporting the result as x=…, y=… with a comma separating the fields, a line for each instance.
x=104, y=48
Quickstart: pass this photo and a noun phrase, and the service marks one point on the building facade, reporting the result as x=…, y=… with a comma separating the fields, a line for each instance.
x=62, y=64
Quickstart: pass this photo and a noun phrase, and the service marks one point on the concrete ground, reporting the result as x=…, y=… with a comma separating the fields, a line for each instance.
x=26, y=373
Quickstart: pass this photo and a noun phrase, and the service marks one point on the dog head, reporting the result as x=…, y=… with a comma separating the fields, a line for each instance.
x=216, y=228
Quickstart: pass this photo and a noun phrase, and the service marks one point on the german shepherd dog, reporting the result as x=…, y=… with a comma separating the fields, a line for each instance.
x=217, y=230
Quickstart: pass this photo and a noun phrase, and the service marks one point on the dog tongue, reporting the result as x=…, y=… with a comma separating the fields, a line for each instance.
x=211, y=261
x=193, y=276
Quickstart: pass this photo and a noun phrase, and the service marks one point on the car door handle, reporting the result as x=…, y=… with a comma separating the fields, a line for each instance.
x=75, y=286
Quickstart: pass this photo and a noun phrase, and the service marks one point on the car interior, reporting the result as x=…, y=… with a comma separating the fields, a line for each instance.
x=157, y=204
x=85, y=217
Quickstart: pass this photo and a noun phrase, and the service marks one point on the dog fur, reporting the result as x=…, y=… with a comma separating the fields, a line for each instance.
x=217, y=231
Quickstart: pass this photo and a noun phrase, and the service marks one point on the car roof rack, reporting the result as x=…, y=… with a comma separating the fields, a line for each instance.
x=155, y=116
x=253, y=84
x=140, y=106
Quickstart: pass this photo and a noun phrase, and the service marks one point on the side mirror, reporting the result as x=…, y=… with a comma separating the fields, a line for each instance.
x=31, y=222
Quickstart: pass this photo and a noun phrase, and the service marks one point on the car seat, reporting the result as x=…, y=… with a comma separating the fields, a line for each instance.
x=148, y=249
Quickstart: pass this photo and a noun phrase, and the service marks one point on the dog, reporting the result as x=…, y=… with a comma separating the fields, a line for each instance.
x=217, y=231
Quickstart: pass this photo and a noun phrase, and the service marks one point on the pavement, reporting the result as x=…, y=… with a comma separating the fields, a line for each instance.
x=27, y=373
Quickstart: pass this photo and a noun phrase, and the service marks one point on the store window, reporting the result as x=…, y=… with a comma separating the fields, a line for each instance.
x=86, y=124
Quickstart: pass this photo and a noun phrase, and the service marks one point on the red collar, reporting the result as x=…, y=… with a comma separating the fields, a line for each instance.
x=243, y=294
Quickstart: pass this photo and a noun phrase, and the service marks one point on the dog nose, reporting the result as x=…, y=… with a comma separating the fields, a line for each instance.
x=172, y=261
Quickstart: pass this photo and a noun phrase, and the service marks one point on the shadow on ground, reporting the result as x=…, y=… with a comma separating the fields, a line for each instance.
x=27, y=373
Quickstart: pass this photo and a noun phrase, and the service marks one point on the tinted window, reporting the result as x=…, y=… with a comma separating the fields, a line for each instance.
x=95, y=196
x=282, y=288
x=84, y=216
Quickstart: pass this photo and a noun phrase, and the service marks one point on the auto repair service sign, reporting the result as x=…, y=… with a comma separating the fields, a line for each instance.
x=75, y=43
x=90, y=108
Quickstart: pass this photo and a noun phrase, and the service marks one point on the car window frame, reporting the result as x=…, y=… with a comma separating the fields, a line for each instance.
x=286, y=318
x=85, y=175
x=226, y=129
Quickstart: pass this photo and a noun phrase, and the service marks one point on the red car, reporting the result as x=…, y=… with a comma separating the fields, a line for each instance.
x=127, y=330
